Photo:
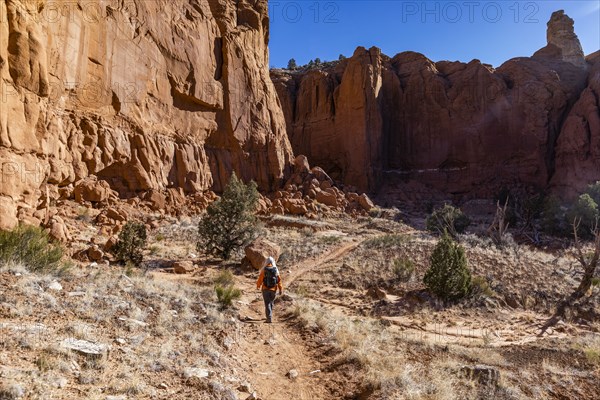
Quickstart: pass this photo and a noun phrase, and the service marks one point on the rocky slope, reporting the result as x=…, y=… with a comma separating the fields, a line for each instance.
x=145, y=95
x=460, y=128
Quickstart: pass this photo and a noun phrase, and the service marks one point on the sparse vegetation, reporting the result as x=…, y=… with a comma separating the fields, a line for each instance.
x=224, y=278
x=585, y=212
x=448, y=277
x=404, y=269
x=227, y=294
x=131, y=243
x=229, y=222
x=448, y=219
x=31, y=247
x=385, y=241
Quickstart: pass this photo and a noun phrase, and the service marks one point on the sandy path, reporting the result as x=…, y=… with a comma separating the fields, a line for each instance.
x=272, y=350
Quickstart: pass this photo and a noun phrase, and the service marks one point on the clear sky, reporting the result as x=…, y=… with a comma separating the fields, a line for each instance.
x=491, y=31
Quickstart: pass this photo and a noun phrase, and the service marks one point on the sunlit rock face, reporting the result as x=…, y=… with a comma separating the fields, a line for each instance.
x=142, y=94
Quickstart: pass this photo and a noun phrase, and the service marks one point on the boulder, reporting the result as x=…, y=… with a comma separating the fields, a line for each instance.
x=94, y=253
x=58, y=229
x=157, y=200
x=365, y=202
x=259, y=250
x=327, y=198
x=301, y=165
x=93, y=190
x=183, y=267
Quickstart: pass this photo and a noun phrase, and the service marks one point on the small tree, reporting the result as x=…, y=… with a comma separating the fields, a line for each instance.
x=292, y=64
x=589, y=264
x=553, y=217
x=341, y=57
x=317, y=61
x=448, y=219
x=131, y=243
x=585, y=212
x=448, y=276
x=229, y=223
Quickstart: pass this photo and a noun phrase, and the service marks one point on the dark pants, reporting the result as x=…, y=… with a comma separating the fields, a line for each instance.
x=269, y=298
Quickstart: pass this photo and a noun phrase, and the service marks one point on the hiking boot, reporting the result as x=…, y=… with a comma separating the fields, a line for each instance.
x=268, y=321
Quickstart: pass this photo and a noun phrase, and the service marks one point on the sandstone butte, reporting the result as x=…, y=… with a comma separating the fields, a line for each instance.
x=463, y=129
x=144, y=95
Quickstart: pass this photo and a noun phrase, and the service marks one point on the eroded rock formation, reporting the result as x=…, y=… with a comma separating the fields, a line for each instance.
x=145, y=95
x=466, y=129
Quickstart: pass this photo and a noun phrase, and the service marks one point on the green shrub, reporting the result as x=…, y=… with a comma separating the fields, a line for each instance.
x=225, y=278
x=229, y=223
x=593, y=191
x=584, y=213
x=553, y=219
x=32, y=247
x=448, y=219
x=131, y=243
x=404, y=269
x=226, y=294
x=448, y=277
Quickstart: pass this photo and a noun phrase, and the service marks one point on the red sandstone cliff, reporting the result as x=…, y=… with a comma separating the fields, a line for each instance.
x=143, y=94
x=461, y=128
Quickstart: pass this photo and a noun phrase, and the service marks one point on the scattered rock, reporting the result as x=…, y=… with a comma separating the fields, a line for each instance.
x=85, y=347
x=183, y=267
x=163, y=386
x=110, y=243
x=58, y=229
x=245, y=388
x=365, y=202
x=60, y=382
x=133, y=321
x=253, y=396
x=195, y=373
x=94, y=253
x=375, y=293
x=292, y=374
x=55, y=285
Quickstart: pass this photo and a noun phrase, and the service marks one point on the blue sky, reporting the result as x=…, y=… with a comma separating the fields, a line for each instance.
x=491, y=31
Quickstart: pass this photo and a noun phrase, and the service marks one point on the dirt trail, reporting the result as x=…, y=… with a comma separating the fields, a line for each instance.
x=275, y=349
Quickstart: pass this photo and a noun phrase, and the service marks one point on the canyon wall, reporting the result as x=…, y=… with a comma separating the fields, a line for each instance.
x=465, y=129
x=146, y=95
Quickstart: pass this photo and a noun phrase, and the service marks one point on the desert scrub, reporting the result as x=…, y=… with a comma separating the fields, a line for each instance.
x=448, y=219
x=404, y=269
x=385, y=241
x=448, y=276
x=225, y=278
x=230, y=222
x=131, y=243
x=227, y=294
x=32, y=247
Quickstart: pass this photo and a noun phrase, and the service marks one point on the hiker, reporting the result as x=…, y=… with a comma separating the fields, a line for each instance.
x=269, y=281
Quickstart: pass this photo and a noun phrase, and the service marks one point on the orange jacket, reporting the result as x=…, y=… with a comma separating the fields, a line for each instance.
x=260, y=285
